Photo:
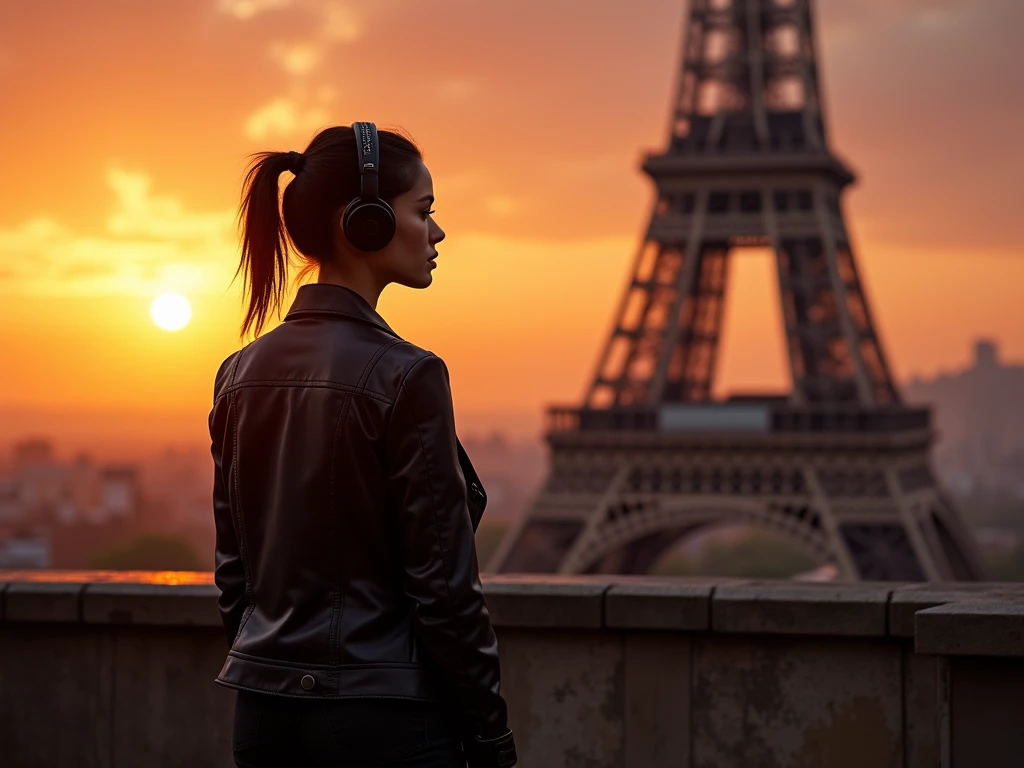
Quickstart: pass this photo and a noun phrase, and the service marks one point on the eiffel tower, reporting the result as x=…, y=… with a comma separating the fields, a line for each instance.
x=840, y=467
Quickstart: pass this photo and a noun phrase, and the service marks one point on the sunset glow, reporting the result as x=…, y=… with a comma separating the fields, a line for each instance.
x=128, y=126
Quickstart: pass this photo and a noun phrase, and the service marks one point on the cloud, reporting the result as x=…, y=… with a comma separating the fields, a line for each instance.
x=331, y=22
x=298, y=58
x=340, y=22
x=149, y=244
x=247, y=9
x=458, y=88
x=139, y=214
x=288, y=117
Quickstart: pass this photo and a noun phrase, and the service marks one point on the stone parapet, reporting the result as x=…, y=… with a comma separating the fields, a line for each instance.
x=734, y=606
x=106, y=668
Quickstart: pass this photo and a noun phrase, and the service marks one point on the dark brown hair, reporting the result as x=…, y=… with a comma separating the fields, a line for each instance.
x=327, y=180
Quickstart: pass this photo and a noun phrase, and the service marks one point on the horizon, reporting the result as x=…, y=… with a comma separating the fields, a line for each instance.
x=139, y=440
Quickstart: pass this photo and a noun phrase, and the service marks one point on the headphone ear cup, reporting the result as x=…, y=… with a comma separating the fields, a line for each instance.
x=369, y=226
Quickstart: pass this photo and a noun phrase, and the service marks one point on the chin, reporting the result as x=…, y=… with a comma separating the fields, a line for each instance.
x=421, y=281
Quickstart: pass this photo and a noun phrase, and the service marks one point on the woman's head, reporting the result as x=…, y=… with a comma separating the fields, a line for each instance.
x=326, y=180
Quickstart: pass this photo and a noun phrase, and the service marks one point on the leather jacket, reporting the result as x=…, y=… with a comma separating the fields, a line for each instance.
x=345, y=508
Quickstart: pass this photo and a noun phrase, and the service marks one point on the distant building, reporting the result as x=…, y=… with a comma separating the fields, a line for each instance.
x=83, y=491
x=979, y=417
x=25, y=552
x=32, y=453
x=119, y=493
x=12, y=510
x=55, y=513
x=41, y=481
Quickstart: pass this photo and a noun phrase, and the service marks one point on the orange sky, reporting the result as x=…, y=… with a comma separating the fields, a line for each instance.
x=125, y=127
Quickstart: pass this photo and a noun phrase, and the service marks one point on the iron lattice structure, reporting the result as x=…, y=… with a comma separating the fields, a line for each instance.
x=839, y=466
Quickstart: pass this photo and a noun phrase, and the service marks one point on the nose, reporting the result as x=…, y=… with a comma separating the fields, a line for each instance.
x=436, y=233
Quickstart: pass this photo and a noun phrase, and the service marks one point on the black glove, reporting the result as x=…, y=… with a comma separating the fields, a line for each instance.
x=497, y=752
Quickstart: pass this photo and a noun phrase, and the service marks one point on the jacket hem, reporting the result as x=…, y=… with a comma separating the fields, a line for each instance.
x=403, y=681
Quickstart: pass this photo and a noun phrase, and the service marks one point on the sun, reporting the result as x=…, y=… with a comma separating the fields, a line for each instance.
x=171, y=311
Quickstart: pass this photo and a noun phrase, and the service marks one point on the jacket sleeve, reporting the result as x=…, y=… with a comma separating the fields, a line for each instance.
x=229, y=571
x=439, y=554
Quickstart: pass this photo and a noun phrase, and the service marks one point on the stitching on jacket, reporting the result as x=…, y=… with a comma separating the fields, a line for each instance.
x=407, y=665
x=374, y=323
x=326, y=697
x=234, y=368
x=433, y=501
x=401, y=386
x=369, y=364
x=337, y=612
x=242, y=550
x=310, y=383
x=372, y=363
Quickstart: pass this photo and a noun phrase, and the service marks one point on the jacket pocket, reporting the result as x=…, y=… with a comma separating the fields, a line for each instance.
x=477, y=502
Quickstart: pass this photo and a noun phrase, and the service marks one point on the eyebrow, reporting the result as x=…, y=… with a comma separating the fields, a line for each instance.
x=425, y=197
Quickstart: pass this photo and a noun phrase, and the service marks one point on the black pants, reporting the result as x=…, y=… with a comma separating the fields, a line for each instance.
x=343, y=733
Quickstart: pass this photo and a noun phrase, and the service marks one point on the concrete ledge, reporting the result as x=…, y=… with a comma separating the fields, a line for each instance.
x=566, y=602
x=666, y=604
x=908, y=600
x=43, y=601
x=162, y=604
x=623, y=603
x=984, y=628
x=848, y=610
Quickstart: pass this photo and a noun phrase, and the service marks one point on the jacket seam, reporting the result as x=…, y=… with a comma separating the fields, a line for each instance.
x=401, y=386
x=336, y=612
x=323, y=697
x=295, y=313
x=433, y=501
x=341, y=667
x=242, y=549
x=372, y=363
x=234, y=368
x=355, y=390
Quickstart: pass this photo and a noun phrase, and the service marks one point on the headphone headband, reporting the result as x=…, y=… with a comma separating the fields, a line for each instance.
x=368, y=221
x=368, y=159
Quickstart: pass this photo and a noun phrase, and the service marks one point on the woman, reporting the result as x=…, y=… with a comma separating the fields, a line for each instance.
x=344, y=503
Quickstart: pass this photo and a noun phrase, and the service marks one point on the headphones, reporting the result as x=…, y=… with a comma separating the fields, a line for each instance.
x=368, y=222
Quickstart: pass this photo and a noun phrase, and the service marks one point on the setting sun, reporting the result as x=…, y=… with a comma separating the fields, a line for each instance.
x=171, y=311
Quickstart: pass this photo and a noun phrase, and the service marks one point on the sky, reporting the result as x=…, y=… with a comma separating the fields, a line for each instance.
x=126, y=127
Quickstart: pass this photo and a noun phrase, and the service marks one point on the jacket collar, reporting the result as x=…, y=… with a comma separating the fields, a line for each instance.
x=318, y=299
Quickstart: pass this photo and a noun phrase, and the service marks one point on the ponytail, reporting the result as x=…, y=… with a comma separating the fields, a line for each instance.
x=264, y=260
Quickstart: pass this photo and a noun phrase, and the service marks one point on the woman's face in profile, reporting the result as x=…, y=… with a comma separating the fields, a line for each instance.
x=408, y=258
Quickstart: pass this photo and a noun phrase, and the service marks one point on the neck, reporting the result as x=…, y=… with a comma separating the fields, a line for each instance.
x=362, y=282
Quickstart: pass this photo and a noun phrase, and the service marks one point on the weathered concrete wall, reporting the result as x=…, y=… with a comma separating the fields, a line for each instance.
x=102, y=669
